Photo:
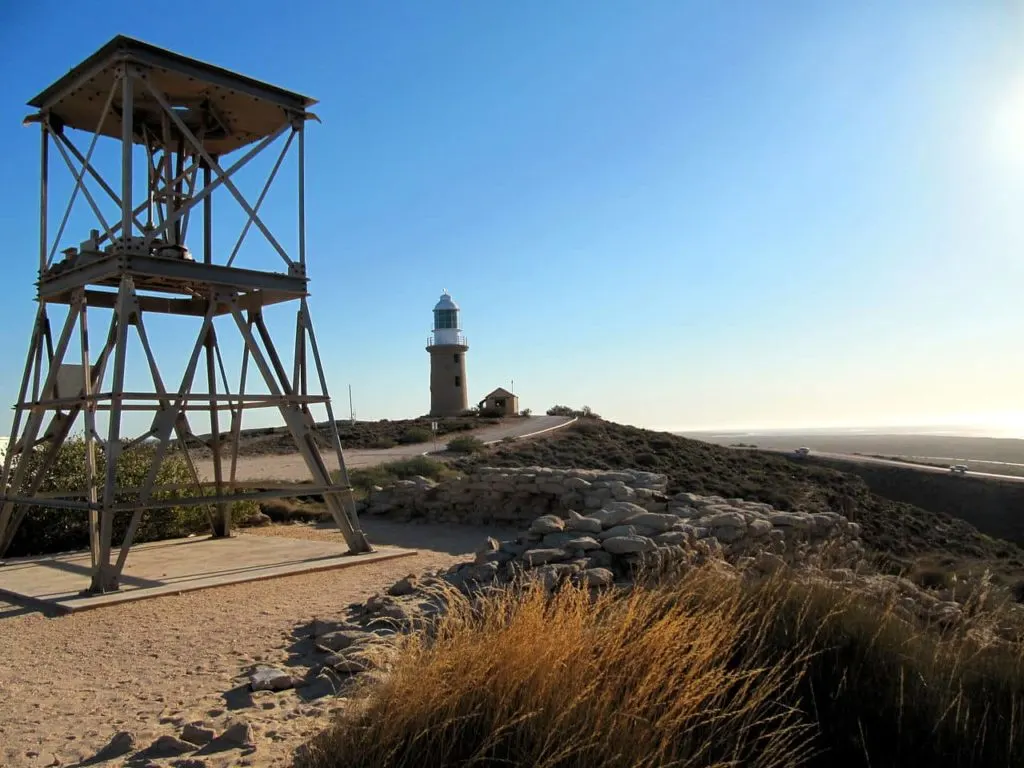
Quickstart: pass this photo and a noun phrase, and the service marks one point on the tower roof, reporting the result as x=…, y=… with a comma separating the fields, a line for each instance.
x=446, y=302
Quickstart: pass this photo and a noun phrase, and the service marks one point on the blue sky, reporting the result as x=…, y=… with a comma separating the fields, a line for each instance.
x=685, y=215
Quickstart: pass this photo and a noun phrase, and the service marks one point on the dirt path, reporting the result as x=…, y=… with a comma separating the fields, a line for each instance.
x=67, y=684
x=290, y=467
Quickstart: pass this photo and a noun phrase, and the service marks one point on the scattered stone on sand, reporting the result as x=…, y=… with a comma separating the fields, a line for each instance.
x=270, y=679
x=197, y=733
x=120, y=744
x=169, y=746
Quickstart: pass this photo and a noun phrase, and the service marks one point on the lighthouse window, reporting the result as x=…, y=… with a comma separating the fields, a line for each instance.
x=457, y=356
x=446, y=318
x=458, y=381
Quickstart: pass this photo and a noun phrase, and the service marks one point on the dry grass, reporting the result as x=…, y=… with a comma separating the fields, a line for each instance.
x=704, y=671
x=644, y=680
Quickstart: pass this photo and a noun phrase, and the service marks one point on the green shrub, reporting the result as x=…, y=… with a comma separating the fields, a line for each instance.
x=383, y=443
x=58, y=530
x=363, y=479
x=415, y=435
x=646, y=459
x=467, y=444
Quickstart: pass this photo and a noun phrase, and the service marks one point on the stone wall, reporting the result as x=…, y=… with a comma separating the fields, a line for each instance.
x=501, y=496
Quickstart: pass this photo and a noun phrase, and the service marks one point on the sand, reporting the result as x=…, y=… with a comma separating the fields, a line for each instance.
x=69, y=683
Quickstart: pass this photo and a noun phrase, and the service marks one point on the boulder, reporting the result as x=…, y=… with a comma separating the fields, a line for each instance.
x=581, y=524
x=598, y=577
x=622, y=545
x=585, y=543
x=542, y=556
x=655, y=521
x=618, y=530
x=547, y=524
x=726, y=520
x=615, y=512
x=560, y=539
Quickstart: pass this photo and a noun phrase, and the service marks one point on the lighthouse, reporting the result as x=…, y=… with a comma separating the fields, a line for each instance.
x=447, y=347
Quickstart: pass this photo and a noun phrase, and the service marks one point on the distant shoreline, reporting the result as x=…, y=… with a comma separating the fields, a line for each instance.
x=958, y=432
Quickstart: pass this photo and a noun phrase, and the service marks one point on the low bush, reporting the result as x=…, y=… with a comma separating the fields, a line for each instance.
x=383, y=443
x=415, y=435
x=364, y=479
x=466, y=444
x=289, y=510
x=47, y=530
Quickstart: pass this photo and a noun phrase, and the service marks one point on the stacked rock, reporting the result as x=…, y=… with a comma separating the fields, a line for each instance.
x=622, y=538
x=507, y=496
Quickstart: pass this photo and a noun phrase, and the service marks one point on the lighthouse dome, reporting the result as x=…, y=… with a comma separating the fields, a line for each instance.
x=446, y=302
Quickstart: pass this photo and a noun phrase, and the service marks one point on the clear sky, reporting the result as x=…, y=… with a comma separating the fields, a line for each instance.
x=683, y=214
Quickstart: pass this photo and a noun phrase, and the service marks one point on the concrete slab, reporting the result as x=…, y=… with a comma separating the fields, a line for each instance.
x=55, y=582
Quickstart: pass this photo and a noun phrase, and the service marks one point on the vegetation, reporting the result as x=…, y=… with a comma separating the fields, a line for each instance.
x=565, y=410
x=898, y=534
x=361, y=435
x=465, y=444
x=364, y=479
x=415, y=435
x=58, y=530
x=701, y=670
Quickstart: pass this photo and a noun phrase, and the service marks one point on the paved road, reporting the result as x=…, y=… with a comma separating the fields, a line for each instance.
x=894, y=463
x=291, y=468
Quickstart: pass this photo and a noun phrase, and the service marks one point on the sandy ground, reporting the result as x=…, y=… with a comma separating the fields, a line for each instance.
x=69, y=683
x=290, y=467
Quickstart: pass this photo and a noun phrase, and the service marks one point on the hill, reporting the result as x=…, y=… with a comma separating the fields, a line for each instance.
x=903, y=537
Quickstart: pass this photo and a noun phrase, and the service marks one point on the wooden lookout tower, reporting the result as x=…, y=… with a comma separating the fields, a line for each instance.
x=176, y=132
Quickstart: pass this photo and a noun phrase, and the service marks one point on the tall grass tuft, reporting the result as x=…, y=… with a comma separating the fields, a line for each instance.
x=706, y=669
x=521, y=679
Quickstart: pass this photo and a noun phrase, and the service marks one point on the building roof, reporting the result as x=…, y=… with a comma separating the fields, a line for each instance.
x=501, y=392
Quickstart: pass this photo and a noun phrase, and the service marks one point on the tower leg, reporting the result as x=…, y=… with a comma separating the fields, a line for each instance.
x=222, y=526
x=302, y=432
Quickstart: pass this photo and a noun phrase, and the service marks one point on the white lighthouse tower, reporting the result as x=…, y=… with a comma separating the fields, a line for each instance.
x=447, y=347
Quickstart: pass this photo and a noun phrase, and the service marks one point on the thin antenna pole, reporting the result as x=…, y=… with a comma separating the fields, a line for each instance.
x=351, y=410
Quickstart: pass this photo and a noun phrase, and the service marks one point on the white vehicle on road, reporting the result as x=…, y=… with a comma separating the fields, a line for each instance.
x=959, y=468
x=802, y=451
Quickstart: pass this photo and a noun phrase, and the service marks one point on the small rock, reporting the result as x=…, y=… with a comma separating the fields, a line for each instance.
x=656, y=521
x=553, y=574
x=622, y=545
x=404, y=586
x=615, y=512
x=617, y=530
x=120, y=744
x=535, y=557
x=726, y=520
x=169, y=746
x=189, y=762
x=581, y=524
x=270, y=679
x=238, y=734
x=344, y=638
x=560, y=539
x=598, y=577
x=672, y=537
x=547, y=524
x=585, y=543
